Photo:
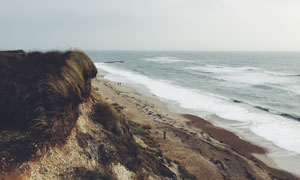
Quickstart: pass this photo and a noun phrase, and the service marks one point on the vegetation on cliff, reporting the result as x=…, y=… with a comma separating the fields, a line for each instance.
x=47, y=104
x=125, y=149
x=39, y=98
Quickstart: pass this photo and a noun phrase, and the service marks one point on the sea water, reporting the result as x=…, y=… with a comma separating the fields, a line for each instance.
x=254, y=94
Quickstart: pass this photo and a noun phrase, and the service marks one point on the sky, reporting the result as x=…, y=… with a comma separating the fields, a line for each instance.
x=203, y=25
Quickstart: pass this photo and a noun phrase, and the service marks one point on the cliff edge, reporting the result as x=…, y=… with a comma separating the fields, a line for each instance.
x=54, y=126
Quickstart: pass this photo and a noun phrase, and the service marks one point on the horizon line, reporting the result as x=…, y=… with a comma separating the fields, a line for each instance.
x=144, y=50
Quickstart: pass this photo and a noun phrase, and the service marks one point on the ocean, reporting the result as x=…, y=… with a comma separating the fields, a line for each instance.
x=254, y=94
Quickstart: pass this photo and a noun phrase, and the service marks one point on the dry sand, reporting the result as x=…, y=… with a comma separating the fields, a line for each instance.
x=206, y=151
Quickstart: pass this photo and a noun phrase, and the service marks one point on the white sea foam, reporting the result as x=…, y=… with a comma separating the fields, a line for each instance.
x=280, y=131
x=252, y=76
x=165, y=60
x=295, y=88
x=222, y=69
x=247, y=75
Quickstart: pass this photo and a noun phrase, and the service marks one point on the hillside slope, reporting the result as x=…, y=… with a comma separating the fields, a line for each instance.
x=53, y=126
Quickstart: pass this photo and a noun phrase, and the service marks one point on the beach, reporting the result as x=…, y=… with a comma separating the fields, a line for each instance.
x=206, y=151
x=150, y=90
x=114, y=129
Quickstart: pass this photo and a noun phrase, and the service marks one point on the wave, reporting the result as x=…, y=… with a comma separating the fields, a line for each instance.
x=222, y=69
x=262, y=86
x=282, y=74
x=262, y=108
x=291, y=116
x=237, y=101
x=253, y=76
x=111, y=62
x=165, y=60
x=295, y=89
x=247, y=75
x=227, y=69
x=281, y=131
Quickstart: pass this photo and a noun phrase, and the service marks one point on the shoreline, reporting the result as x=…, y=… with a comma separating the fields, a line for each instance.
x=241, y=146
x=185, y=134
x=224, y=136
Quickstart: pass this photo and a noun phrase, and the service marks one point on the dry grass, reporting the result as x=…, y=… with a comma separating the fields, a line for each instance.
x=39, y=97
x=127, y=151
x=110, y=119
x=35, y=84
x=120, y=132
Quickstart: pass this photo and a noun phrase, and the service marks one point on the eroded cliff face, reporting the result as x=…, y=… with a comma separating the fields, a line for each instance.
x=54, y=127
x=91, y=152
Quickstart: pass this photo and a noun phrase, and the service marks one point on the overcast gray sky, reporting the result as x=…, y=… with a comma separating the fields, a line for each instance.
x=251, y=25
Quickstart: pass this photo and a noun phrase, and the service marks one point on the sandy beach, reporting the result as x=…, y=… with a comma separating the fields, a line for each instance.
x=206, y=151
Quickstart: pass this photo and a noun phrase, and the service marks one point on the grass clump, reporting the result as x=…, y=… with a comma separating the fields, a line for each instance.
x=39, y=96
x=110, y=119
x=81, y=173
x=185, y=175
x=38, y=85
x=140, y=130
x=126, y=150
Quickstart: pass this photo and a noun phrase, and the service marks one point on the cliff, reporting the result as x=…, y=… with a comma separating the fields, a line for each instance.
x=55, y=126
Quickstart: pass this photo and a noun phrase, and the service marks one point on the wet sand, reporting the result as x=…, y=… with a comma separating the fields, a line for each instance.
x=243, y=147
x=224, y=136
x=206, y=151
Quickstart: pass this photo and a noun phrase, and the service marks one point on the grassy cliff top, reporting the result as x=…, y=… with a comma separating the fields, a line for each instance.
x=34, y=83
x=39, y=98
